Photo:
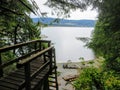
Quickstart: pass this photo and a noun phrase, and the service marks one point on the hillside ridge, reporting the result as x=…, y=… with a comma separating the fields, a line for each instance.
x=66, y=22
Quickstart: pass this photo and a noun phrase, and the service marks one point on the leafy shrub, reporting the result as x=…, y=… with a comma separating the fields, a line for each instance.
x=92, y=78
x=86, y=79
x=110, y=81
x=6, y=57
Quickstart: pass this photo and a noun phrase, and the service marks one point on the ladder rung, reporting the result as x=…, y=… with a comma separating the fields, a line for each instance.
x=53, y=72
x=49, y=55
x=53, y=86
x=52, y=81
x=54, y=67
x=52, y=77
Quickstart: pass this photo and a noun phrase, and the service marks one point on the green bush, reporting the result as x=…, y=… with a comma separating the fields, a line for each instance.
x=6, y=57
x=92, y=78
x=110, y=81
x=86, y=79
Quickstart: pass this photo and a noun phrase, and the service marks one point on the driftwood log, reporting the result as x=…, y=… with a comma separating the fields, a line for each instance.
x=70, y=77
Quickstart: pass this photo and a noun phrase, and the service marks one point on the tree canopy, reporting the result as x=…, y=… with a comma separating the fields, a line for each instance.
x=65, y=7
x=106, y=37
x=15, y=23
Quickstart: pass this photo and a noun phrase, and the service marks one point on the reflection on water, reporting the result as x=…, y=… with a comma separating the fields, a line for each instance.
x=66, y=44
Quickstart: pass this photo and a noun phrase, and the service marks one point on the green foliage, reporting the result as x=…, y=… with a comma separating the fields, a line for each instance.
x=15, y=23
x=110, y=81
x=6, y=57
x=106, y=36
x=92, y=78
x=65, y=7
x=16, y=26
x=85, y=80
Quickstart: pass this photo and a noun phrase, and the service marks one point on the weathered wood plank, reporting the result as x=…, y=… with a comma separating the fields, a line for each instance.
x=11, y=81
x=5, y=88
x=30, y=65
x=29, y=59
x=8, y=85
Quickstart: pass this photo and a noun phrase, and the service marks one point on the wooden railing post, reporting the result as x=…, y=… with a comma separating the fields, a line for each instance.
x=55, y=68
x=46, y=83
x=1, y=70
x=50, y=53
x=49, y=44
x=27, y=77
x=35, y=46
x=40, y=46
x=44, y=56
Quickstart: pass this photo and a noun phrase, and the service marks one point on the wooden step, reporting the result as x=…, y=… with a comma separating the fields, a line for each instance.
x=52, y=81
x=5, y=88
x=53, y=86
x=8, y=85
x=52, y=77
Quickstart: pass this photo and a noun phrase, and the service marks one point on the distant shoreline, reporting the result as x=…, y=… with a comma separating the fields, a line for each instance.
x=65, y=22
x=68, y=26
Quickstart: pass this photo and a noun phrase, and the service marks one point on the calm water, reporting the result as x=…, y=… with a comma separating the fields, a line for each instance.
x=66, y=45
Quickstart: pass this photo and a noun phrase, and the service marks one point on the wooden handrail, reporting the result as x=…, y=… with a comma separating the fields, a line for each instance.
x=17, y=46
x=17, y=59
x=26, y=55
x=35, y=63
x=39, y=70
x=29, y=59
x=6, y=48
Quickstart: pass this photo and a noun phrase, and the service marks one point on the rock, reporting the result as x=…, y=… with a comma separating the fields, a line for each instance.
x=70, y=77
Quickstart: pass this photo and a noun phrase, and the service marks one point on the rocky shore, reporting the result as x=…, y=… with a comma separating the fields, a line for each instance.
x=70, y=71
x=63, y=73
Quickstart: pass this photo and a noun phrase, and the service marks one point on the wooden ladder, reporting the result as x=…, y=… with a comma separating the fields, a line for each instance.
x=53, y=82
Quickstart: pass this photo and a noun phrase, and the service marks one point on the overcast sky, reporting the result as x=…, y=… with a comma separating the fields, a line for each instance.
x=74, y=15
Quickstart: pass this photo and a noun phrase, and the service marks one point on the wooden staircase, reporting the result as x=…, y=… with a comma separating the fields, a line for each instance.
x=53, y=82
x=35, y=70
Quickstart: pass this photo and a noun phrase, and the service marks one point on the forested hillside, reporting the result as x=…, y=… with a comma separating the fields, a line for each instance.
x=65, y=22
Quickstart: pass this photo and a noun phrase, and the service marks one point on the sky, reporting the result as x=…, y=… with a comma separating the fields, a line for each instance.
x=76, y=15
